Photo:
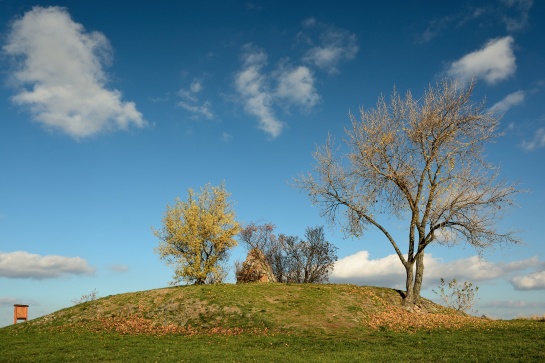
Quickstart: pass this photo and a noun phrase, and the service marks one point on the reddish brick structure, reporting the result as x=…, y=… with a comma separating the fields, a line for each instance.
x=20, y=312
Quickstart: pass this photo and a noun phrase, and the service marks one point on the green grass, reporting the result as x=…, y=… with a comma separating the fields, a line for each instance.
x=264, y=323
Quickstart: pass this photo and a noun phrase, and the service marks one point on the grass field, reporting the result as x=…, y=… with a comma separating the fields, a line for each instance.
x=267, y=323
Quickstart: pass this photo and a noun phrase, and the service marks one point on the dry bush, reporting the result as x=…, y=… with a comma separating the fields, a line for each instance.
x=458, y=296
x=92, y=296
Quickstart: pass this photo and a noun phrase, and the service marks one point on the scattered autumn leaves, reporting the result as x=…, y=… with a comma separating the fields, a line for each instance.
x=137, y=324
x=399, y=319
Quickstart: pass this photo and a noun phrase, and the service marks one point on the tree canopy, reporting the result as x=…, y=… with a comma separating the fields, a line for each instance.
x=197, y=235
x=421, y=161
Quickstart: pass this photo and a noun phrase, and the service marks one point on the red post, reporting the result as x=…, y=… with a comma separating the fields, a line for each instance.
x=20, y=312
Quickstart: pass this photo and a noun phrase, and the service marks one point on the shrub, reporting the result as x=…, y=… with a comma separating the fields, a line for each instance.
x=458, y=296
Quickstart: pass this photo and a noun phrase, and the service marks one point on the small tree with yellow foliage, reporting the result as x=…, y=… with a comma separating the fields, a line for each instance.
x=197, y=235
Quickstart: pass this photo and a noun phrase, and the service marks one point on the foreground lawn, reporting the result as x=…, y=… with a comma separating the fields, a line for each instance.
x=513, y=341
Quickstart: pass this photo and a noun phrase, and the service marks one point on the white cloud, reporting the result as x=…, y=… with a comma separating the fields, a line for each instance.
x=190, y=101
x=493, y=63
x=511, y=100
x=474, y=269
x=21, y=264
x=60, y=75
x=359, y=269
x=262, y=91
x=538, y=141
x=195, y=86
x=389, y=271
x=296, y=86
x=253, y=86
x=198, y=110
x=532, y=281
x=188, y=95
x=335, y=46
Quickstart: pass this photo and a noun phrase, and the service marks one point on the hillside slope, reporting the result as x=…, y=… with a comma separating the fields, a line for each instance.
x=252, y=308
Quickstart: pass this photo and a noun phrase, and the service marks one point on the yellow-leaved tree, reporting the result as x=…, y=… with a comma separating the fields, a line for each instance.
x=197, y=235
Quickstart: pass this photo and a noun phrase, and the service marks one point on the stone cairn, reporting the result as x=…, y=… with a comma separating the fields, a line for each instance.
x=255, y=268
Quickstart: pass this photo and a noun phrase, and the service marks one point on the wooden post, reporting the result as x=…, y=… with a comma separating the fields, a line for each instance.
x=20, y=312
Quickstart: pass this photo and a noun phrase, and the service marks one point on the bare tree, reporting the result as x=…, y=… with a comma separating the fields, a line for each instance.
x=421, y=161
x=310, y=260
x=292, y=259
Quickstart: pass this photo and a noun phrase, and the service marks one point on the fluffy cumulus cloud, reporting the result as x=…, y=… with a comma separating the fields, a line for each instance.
x=290, y=84
x=361, y=270
x=492, y=63
x=253, y=86
x=22, y=264
x=388, y=271
x=475, y=269
x=262, y=91
x=59, y=75
x=532, y=281
x=296, y=86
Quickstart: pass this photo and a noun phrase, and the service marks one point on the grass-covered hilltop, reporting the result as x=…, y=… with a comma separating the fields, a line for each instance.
x=267, y=323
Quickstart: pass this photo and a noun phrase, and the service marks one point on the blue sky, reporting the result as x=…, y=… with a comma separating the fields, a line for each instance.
x=108, y=112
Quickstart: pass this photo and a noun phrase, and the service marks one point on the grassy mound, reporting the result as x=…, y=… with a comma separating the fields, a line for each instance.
x=252, y=308
x=267, y=323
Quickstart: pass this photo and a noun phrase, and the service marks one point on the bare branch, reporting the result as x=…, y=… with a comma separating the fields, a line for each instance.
x=417, y=160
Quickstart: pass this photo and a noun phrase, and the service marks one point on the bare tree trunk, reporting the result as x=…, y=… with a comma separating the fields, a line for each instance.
x=409, y=285
x=418, y=278
x=423, y=158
